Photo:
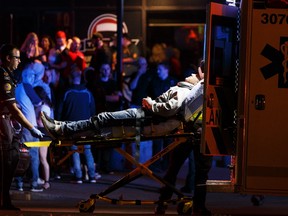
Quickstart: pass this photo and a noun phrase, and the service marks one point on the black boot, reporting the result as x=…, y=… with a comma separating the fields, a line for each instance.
x=54, y=130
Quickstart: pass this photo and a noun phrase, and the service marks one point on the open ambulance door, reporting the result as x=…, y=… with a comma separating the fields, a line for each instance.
x=220, y=94
x=219, y=123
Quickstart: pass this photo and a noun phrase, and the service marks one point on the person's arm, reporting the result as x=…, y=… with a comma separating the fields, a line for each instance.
x=92, y=104
x=133, y=56
x=135, y=80
x=35, y=99
x=166, y=104
x=18, y=116
x=169, y=103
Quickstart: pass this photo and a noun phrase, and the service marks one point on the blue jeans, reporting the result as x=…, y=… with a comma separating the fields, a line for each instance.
x=104, y=119
x=34, y=159
x=34, y=165
x=88, y=159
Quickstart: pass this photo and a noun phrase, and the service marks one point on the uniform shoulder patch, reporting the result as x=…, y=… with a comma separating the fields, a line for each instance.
x=7, y=86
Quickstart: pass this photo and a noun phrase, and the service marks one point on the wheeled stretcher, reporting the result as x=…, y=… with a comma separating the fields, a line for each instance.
x=178, y=134
x=136, y=130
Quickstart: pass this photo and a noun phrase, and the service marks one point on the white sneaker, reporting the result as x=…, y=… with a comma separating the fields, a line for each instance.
x=40, y=181
x=36, y=189
x=76, y=181
x=97, y=176
x=20, y=188
x=93, y=181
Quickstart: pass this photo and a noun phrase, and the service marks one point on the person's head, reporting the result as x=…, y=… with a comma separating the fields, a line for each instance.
x=142, y=64
x=48, y=76
x=158, y=53
x=201, y=69
x=89, y=75
x=60, y=38
x=195, y=78
x=10, y=56
x=97, y=39
x=76, y=44
x=105, y=72
x=76, y=72
x=46, y=42
x=28, y=75
x=142, y=61
x=31, y=41
x=126, y=40
x=163, y=70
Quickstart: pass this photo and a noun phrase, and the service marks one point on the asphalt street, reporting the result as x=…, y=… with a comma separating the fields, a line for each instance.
x=63, y=198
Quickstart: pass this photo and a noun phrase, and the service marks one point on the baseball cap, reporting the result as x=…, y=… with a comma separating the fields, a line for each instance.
x=60, y=34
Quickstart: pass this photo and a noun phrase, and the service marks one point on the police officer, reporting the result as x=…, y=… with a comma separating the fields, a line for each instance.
x=9, y=152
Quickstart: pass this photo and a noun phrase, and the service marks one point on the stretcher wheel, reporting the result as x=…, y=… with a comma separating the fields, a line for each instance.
x=257, y=200
x=185, y=208
x=87, y=205
x=160, y=210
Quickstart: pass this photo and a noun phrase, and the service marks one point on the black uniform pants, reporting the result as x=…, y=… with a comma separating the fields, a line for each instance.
x=202, y=166
x=9, y=157
x=8, y=164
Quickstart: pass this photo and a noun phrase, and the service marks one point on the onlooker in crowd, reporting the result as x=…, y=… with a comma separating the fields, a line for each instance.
x=55, y=59
x=173, y=56
x=158, y=85
x=30, y=52
x=46, y=107
x=129, y=59
x=106, y=92
x=108, y=99
x=101, y=54
x=130, y=56
x=158, y=53
x=139, y=85
x=162, y=81
x=27, y=99
x=75, y=56
x=46, y=44
x=142, y=68
x=39, y=70
x=78, y=104
x=58, y=59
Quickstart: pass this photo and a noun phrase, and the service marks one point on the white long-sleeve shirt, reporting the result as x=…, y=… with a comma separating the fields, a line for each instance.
x=176, y=99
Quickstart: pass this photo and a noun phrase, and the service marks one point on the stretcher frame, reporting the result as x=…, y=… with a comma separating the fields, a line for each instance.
x=140, y=170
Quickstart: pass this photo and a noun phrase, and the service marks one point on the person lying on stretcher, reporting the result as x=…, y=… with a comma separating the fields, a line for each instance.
x=171, y=103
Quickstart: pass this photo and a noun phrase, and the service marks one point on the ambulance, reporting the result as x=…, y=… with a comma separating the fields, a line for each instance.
x=245, y=112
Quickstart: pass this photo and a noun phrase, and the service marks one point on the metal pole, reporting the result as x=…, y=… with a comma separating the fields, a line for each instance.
x=120, y=4
x=11, y=28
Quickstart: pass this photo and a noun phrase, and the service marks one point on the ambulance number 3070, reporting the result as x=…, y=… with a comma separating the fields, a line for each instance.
x=274, y=18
